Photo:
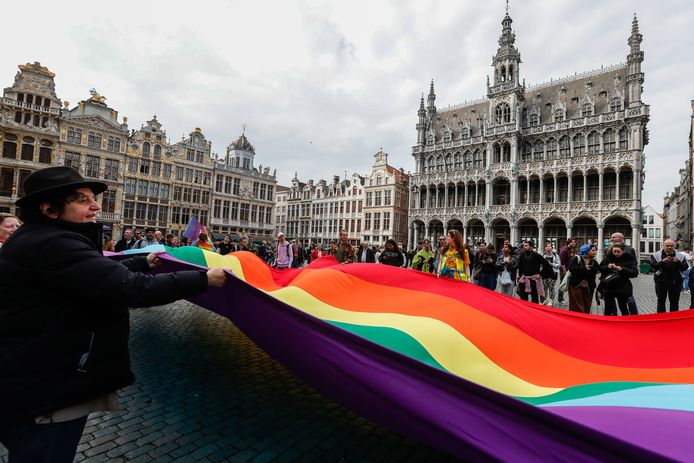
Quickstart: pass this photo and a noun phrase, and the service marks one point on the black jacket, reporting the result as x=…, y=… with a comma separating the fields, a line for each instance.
x=580, y=272
x=124, y=245
x=486, y=262
x=621, y=285
x=393, y=258
x=64, y=319
x=370, y=255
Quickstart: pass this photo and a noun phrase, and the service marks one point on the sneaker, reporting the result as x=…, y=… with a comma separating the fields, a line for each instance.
x=548, y=302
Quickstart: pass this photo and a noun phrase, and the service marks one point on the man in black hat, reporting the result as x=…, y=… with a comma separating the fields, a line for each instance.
x=64, y=316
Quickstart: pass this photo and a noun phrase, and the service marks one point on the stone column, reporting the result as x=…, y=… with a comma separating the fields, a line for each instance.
x=600, y=188
x=600, y=243
x=556, y=193
x=540, y=238
x=585, y=187
x=514, y=191
x=488, y=194
x=436, y=198
x=542, y=190
x=569, y=194
x=636, y=241
x=464, y=233
x=568, y=231
x=465, y=196
x=616, y=194
x=514, y=234
x=455, y=197
x=527, y=191
x=445, y=196
x=476, y=194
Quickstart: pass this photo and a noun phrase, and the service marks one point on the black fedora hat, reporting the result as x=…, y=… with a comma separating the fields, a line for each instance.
x=44, y=183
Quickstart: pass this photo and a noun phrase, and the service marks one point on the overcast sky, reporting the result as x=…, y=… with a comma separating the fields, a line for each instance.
x=323, y=85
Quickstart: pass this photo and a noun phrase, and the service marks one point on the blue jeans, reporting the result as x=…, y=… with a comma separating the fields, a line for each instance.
x=488, y=280
x=42, y=443
x=685, y=284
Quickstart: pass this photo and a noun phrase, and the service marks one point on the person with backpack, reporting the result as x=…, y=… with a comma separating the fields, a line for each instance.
x=285, y=255
x=148, y=240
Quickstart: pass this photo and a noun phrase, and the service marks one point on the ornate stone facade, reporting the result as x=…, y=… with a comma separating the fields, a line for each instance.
x=281, y=203
x=244, y=195
x=29, y=115
x=544, y=162
x=148, y=178
x=386, y=199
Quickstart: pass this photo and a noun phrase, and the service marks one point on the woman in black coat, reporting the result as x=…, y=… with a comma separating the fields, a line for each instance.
x=392, y=255
x=618, y=288
x=64, y=319
x=584, y=268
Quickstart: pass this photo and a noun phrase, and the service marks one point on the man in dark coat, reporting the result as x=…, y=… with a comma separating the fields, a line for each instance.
x=669, y=267
x=530, y=265
x=126, y=242
x=64, y=319
x=365, y=254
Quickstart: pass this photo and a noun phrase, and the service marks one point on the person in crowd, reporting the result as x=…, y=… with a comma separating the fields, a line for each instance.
x=284, y=254
x=262, y=250
x=454, y=260
x=342, y=250
x=316, y=252
x=148, y=240
x=617, y=268
x=507, y=262
x=409, y=256
x=243, y=245
x=486, y=268
x=8, y=224
x=424, y=259
x=530, y=265
x=137, y=234
x=365, y=254
x=171, y=240
x=109, y=245
x=377, y=253
x=392, y=255
x=405, y=261
x=72, y=355
x=501, y=249
x=440, y=244
x=475, y=257
x=226, y=246
x=159, y=236
x=618, y=238
x=553, y=260
x=581, y=286
x=566, y=253
x=669, y=267
x=688, y=255
x=127, y=241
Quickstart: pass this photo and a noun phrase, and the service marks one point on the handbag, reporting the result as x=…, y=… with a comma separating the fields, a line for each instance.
x=505, y=278
x=564, y=284
x=609, y=279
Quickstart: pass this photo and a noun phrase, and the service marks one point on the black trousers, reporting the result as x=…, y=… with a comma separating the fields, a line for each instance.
x=668, y=290
x=520, y=289
x=42, y=443
x=611, y=301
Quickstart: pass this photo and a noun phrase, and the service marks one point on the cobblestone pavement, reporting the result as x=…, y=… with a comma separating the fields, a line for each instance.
x=205, y=392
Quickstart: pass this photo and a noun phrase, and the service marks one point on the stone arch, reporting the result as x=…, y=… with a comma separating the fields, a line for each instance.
x=475, y=229
x=584, y=228
x=555, y=231
x=501, y=230
x=528, y=230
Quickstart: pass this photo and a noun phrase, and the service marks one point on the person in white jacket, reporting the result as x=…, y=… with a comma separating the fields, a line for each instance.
x=549, y=283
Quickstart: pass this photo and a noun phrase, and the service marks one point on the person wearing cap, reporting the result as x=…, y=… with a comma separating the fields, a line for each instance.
x=64, y=320
x=285, y=253
x=584, y=268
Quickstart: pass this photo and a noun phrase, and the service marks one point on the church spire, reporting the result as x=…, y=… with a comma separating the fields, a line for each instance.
x=431, y=108
x=635, y=77
x=422, y=121
x=506, y=59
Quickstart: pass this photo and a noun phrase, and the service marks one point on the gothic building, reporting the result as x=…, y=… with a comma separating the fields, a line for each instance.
x=545, y=162
x=244, y=195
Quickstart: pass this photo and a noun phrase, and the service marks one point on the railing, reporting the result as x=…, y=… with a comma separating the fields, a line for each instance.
x=32, y=107
x=108, y=216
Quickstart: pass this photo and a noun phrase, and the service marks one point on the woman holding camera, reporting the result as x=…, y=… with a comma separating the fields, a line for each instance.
x=617, y=268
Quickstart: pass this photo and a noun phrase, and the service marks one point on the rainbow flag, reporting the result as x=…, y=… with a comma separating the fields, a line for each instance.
x=475, y=373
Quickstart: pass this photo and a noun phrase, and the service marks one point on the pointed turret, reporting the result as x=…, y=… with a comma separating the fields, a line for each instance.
x=506, y=61
x=431, y=108
x=422, y=122
x=635, y=77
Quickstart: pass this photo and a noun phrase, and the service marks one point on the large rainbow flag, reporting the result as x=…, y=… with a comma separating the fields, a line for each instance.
x=472, y=372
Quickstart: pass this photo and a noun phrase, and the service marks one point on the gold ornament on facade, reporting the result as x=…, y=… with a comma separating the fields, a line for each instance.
x=96, y=98
x=36, y=67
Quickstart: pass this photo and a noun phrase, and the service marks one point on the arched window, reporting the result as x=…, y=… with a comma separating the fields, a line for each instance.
x=449, y=163
x=538, y=150
x=465, y=133
x=457, y=163
x=551, y=148
x=9, y=146
x=593, y=143
x=477, y=159
x=503, y=73
x=430, y=164
x=526, y=152
x=579, y=145
x=497, y=153
x=510, y=72
x=586, y=110
x=503, y=113
x=430, y=138
x=564, y=148
x=608, y=141
x=439, y=163
x=46, y=152
x=615, y=104
x=506, y=152
x=145, y=150
x=467, y=160
x=157, y=151
x=533, y=120
x=558, y=115
x=28, y=148
x=623, y=138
